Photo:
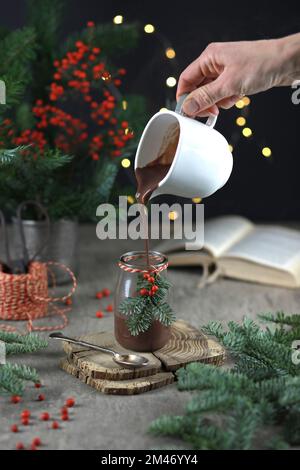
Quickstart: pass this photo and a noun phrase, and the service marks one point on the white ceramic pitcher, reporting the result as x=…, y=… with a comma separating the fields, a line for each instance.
x=202, y=163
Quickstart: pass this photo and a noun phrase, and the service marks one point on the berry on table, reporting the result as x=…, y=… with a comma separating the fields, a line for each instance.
x=25, y=421
x=14, y=428
x=25, y=414
x=36, y=441
x=70, y=402
x=41, y=397
x=19, y=446
x=65, y=417
x=38, y=385
x=99, y=295
x=99, y=314
x=110, y=308
x=106, y=292
x=45, y=416
x=55, y=425
x=15, y=399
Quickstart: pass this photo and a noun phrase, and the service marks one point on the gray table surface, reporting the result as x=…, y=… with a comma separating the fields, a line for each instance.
x=101, y=421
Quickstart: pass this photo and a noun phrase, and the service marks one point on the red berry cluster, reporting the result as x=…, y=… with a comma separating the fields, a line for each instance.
x=26, y=415
x=153, y=288
x=80, y=74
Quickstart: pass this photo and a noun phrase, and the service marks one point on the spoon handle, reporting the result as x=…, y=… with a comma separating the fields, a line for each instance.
x=83, y=343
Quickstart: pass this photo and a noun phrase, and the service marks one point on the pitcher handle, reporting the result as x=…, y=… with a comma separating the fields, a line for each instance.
x=211, y=121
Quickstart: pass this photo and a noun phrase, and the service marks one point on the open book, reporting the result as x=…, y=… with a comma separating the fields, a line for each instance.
x=234, y=247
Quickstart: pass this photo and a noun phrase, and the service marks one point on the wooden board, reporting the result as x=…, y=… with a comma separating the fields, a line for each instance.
x=99, y=365
x=187, y=344
x=120, y=387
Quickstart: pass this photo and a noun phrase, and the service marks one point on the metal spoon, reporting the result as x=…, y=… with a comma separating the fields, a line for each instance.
x=129, y=361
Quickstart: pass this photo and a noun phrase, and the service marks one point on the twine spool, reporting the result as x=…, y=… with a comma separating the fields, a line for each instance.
x=25, y=296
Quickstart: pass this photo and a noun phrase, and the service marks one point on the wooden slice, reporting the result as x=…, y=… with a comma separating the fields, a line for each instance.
x=188, y=344
x=120, y=387
x=98, y=365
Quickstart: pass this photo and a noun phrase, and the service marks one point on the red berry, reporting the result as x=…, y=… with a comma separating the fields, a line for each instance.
x=55, y=425
x=90, y=24
x=65, y=417
x=99, y=314
x=151, y=293
x=99, y=295
x=36, y=441
x=110, y=308
x=25, y=421
x=19, y=446
x=15, y=399
x=144, y=292
x=106, y=292
x=44, y=416
x=41, y=397
x=154, y=288
x=68, y=301
x=146, y=276
x=64, y=410
x=14, y=428
x=25, y=414
x=151, y=279
x=38, y=385
x=70, y=402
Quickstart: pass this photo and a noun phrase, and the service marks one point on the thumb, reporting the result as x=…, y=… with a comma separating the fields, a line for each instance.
x=205, y=97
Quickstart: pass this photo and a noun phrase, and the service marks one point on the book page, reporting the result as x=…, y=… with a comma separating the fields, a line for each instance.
x=277, y=247
x=223, y=232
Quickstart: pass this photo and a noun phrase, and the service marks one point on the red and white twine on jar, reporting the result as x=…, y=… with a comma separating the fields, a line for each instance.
x=25, y=296
x=152, y=268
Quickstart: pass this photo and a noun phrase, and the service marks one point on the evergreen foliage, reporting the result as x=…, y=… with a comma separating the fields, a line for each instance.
x=142, y=310
x=259, y=396
x=14, y=376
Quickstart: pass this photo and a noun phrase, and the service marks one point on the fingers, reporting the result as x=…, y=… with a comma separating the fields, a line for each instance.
x=206, y=96
x=190, y=78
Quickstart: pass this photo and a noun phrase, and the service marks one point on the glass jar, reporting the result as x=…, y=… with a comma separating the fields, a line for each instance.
x=134, y=268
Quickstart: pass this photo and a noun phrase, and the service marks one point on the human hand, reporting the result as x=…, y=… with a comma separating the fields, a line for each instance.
x=226, y=71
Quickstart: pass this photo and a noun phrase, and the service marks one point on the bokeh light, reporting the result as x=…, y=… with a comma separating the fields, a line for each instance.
x=197, y=200
x=170, y=53
x=266, y=151
x=171, y=82
x=125, y=163
x=149, y=28
x=241, y=121
x=173, y=215
x=118, y=19
x=240, y=104
x=247, y=132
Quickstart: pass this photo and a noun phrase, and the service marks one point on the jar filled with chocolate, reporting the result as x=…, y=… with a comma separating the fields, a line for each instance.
x=143, y=316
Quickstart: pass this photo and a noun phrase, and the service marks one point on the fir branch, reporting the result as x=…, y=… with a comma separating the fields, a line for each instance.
x=8, y=156
x=281, y=318
x=16, y=343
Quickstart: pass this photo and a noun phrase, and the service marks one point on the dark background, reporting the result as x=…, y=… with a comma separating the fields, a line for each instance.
x=260, y=188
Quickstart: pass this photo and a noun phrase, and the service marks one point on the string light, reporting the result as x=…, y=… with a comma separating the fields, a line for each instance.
x=240, y=104
x=130, y=199
x=163, y=109
x=128, y=131
x=118, y=19
x=246, y=100
x=266, y=151
x=124, y=105
x=230, y=148
x=149, y=28
x=171, y=82
x=197, y=200
x=241, y=121
x=247, y=132
x=125, y=163
x=173, y=215
x=170, y=53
